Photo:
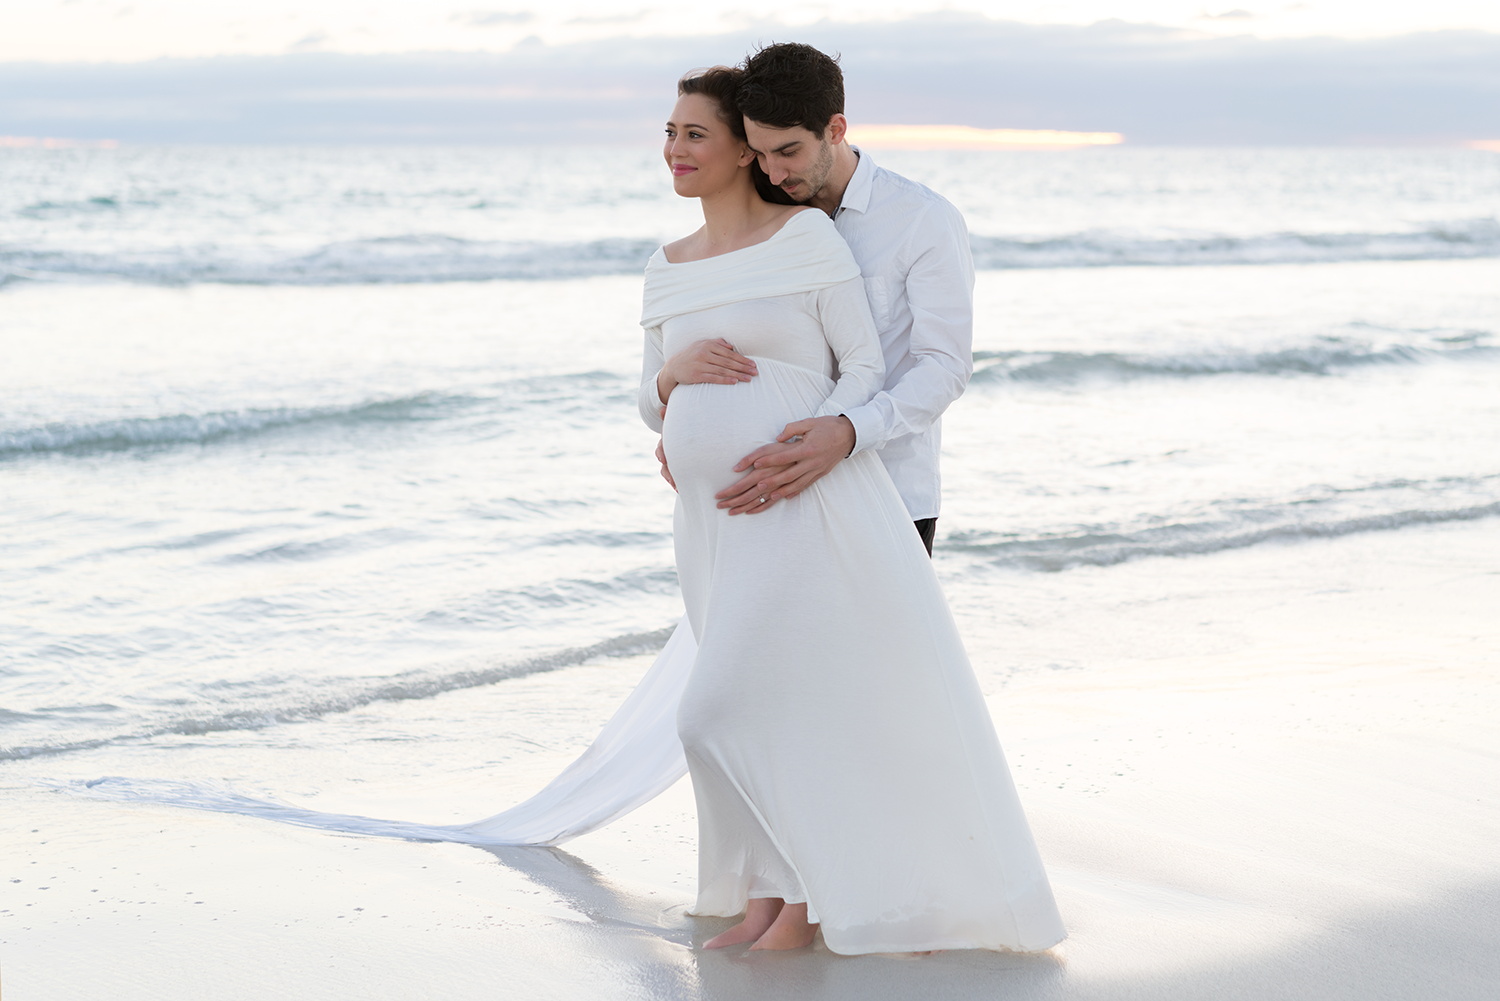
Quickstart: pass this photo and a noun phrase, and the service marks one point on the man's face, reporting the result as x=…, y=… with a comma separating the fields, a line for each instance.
x=796, y=160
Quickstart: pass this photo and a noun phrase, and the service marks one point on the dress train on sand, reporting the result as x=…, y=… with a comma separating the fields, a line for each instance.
x=635, y=758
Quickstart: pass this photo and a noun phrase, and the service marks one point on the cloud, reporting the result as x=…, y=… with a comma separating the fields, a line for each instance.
x=634, y=18
x=491, y=18
x=1238, y=14
x=1154, y=84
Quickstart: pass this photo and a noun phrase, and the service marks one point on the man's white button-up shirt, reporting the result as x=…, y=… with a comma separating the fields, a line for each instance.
x=913, y=251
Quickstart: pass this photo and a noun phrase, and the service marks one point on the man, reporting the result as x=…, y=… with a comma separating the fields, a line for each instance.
x=913, y=251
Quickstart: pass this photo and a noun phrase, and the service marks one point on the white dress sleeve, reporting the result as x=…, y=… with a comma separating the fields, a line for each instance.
x=850, y=331
x=653, y=358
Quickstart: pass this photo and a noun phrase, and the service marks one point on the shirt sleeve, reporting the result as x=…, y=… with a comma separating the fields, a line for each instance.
x=940, y=294
x=850, y=331
x=649, y=401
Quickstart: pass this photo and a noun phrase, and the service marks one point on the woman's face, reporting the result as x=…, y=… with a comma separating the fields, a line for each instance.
x=702, y=152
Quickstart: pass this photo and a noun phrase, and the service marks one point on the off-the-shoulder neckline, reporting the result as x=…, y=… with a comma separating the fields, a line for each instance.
x=662, y=250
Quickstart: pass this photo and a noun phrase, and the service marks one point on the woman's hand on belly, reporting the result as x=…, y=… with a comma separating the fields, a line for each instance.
x=714, y=361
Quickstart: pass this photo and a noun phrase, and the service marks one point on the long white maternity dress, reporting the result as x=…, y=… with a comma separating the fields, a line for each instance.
x=840, y=748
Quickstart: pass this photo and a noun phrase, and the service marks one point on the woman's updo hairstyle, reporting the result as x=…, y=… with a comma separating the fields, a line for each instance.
x=718, y=84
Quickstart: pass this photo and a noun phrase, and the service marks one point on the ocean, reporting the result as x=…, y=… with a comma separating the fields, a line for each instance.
x=287, y=433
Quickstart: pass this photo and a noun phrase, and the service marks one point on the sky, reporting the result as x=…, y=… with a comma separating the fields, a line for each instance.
x=1158, y=71
x=134, y=30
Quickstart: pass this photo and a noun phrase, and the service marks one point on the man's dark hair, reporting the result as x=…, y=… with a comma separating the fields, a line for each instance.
x=789, y=84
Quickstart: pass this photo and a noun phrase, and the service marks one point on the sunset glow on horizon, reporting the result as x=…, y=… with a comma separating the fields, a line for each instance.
x=967, y=137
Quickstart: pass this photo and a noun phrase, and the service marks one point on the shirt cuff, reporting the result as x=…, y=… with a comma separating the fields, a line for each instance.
x=866, y=428
x=661, y=407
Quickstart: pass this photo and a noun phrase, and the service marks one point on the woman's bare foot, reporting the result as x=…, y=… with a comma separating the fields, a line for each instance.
x=760, y=914
x=790, y=930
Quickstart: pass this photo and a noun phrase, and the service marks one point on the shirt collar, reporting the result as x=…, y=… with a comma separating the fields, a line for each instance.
x=857, y=194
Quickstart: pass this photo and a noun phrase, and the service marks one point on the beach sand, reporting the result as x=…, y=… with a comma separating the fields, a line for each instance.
x=1264, y=773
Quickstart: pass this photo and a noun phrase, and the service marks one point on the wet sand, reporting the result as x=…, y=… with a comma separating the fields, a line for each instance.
x=1264, y=773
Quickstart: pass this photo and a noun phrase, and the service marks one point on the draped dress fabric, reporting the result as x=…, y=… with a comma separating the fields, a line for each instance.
x=634, y=759
x=840, y=748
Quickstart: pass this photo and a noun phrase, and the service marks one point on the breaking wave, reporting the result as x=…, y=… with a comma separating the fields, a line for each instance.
x=1326, y=357
x=184, y=429
x=353, y=694
x=1469, y=238
x=123, y=433
x=383, y=260
x=435, y=257
x=1334, y=514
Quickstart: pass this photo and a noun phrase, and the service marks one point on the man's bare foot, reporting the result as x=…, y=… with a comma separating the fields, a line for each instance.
x=760, y=914
x=790, y=930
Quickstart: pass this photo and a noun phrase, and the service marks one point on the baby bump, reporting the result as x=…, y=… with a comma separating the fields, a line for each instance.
x=708, y=428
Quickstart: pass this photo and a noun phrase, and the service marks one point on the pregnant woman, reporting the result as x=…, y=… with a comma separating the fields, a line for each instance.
x=846, y=769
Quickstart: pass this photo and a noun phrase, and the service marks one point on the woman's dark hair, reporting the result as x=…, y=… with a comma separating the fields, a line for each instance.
x=719, y=84
x=789, y=84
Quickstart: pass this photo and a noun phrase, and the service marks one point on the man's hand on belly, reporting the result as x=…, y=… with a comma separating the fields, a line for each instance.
x=787, y=467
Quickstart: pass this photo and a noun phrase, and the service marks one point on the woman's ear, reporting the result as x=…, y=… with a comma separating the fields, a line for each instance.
x=747, y=156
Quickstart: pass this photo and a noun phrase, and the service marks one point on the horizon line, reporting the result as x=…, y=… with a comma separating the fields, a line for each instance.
x=921, y=137
x=918, y=137
x=55, y=142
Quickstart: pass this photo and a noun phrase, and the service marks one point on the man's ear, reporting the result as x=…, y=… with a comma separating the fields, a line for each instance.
x=838, y=127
